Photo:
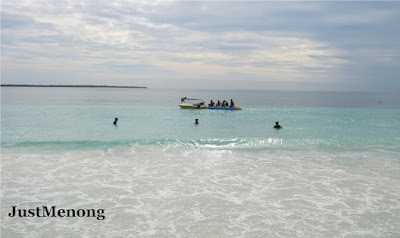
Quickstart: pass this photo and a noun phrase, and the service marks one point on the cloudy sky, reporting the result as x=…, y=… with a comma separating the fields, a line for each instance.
x=290, y=45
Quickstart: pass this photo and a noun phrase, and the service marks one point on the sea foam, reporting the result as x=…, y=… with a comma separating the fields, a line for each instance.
x=160, y=191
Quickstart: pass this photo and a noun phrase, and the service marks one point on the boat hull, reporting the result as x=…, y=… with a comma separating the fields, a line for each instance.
x=191, y=107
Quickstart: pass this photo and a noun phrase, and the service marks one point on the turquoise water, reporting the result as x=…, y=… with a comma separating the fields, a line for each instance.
x=332, y=171
x=51, y=121
x=83, y=126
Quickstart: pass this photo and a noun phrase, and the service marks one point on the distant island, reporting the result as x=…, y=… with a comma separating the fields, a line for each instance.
x=67, y=86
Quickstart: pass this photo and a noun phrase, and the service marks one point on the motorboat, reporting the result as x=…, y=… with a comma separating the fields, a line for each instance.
x=192, y=103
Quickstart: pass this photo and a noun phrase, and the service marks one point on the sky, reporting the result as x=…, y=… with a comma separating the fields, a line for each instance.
x=272, y=45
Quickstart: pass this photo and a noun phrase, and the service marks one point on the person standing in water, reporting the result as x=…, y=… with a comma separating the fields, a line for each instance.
x=196, y=121
x=115, y=121
x=277, y=126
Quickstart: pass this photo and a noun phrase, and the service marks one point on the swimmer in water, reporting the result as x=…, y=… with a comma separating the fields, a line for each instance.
x=277, y=126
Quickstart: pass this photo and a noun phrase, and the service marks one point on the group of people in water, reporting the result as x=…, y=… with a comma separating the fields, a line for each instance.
x=277, y=126
x=221, y=104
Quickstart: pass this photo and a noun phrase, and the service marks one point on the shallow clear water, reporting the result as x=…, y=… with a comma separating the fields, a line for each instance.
x=332, y=171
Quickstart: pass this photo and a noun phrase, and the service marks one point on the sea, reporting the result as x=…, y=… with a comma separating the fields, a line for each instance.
x=332, y=171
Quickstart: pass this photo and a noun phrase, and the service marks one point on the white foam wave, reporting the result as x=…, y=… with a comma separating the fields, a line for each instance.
x=153, y=191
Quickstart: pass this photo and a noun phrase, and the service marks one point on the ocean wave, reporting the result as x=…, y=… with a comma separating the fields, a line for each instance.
x=149, y=191
x=248, y=144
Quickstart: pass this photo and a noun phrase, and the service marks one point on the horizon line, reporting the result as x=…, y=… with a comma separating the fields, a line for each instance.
x=68, y=86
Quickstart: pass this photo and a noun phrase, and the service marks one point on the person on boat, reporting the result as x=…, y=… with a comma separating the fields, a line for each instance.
x=224, y=103
x=211, y=103
x=115, y=121
x=183, y=100
x=277, y=126
x=218, y=104
x=198, y=105
x=196, y=121
x=232, y=103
